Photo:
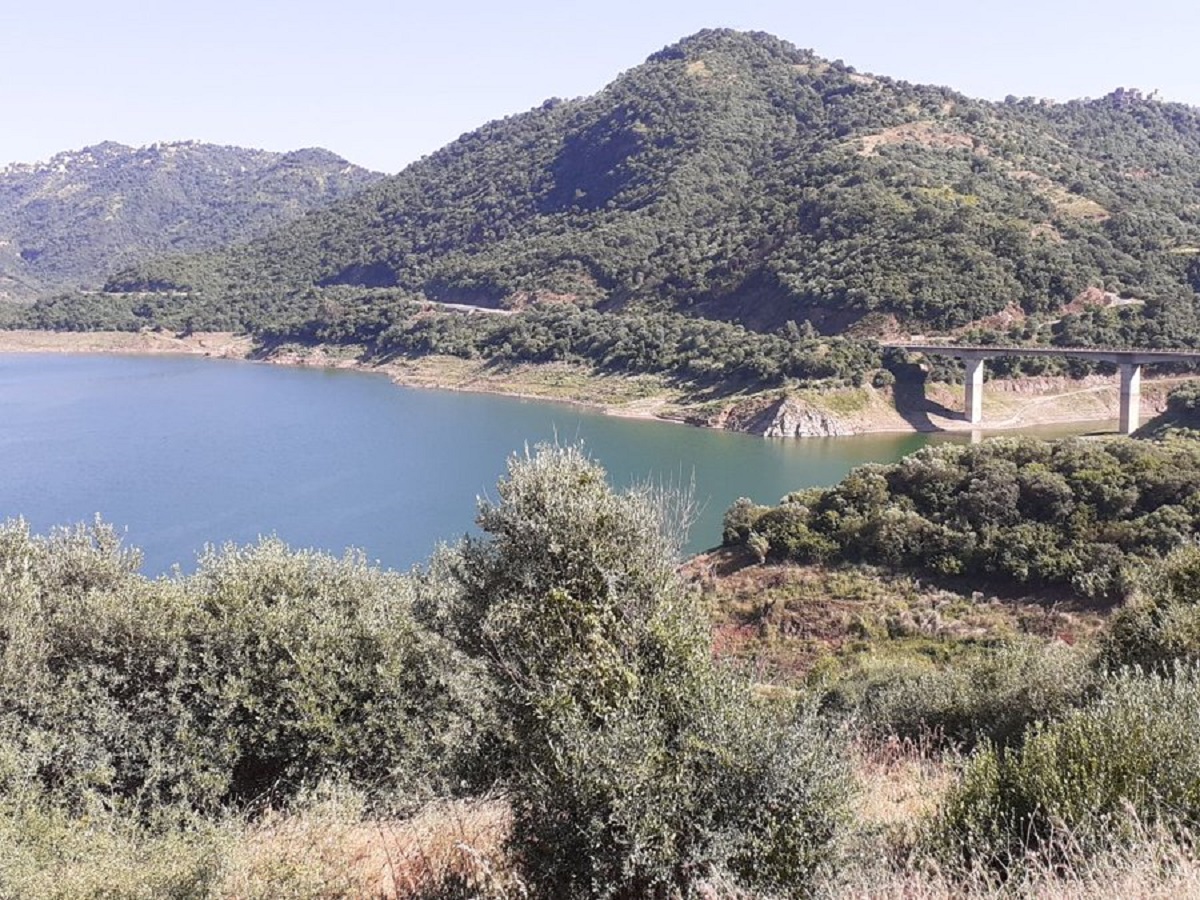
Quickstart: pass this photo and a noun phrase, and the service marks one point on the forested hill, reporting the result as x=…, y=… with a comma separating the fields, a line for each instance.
x=73, y=221
x=736, y=176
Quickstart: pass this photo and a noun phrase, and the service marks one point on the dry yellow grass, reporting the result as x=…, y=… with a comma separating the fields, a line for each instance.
x=223, y=344
x=459, y=842
x=332, y=852
x=1157, y=870
x=902, y=782
x=924, y=133
x=457, y=849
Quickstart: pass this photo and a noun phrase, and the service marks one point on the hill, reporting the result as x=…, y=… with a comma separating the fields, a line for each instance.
x=734, y=176
x=75, y=220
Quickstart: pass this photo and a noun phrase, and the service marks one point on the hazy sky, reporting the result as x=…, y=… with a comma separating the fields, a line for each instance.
x=385, y=83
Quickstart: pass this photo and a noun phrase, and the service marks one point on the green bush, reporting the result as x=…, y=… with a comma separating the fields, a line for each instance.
x=739, y=520
x=788, y=536
x=653, y=802
x=1185, y=398
x=265, y=671
x=635, y=767
x=1093, y=779
x=1074, y=513
x=846, y=688
x=1160, y=623
x=992, y=694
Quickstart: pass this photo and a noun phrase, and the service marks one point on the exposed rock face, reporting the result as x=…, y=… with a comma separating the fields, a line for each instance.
x=791, y=417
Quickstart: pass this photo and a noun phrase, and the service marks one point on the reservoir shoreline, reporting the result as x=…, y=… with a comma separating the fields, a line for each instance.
x=1010, y=404
x=178, y=454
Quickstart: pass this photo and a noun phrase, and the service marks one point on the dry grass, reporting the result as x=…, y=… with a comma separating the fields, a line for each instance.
x=1157, y=869
x=550, y=381
x=328, y=849
x=451, y=848
x=902, y=783
x=924, y=133
x=455, y=849
x=211, y=343
x=451, y=843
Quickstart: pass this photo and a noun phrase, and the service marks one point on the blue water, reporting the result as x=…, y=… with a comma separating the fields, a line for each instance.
x=179, y=452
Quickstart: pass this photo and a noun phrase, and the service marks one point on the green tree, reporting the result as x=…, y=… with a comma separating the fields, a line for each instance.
x=636, y=767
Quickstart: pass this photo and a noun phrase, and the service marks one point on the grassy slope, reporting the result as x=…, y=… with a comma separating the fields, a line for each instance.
x=792, y=624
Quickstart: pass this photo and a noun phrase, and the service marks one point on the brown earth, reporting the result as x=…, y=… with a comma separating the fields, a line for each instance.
x=222, y=344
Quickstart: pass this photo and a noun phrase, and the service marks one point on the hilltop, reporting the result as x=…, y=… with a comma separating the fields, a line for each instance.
x=737, y=177
x=74, y=220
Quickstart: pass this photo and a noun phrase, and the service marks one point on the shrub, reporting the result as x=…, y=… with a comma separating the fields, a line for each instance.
x=1185, y=398
x=846, y=693
x=786, y=532
x=653, y=802
x=265, y=671
x=739, y=520
x=635, y=767
x=992, y=694
x=882, y=378
x=1129, y=760
x=1069, y=513
x=1160, y=623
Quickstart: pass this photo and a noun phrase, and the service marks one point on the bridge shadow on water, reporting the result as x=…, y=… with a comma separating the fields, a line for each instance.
x=913, y=405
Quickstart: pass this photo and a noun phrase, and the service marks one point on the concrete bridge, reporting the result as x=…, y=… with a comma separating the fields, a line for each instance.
x=1128, y=362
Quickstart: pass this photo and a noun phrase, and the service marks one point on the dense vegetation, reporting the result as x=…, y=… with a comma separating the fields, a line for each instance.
x=153, y=730
x=381, y=325
x=559, y=659
x=1074, y=513
x=737, y=177
x=260, y=674
x=1078, y=752
x=694, y=350
x=1105, y=773
x=75, y=220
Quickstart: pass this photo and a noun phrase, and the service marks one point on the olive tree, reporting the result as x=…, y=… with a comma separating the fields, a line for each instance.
x=636, y=766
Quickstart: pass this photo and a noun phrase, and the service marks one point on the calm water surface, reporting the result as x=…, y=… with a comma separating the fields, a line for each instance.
x=180, y=452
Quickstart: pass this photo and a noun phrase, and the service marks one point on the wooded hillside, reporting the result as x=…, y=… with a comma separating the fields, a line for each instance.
x=74, y=220
x=735, y=176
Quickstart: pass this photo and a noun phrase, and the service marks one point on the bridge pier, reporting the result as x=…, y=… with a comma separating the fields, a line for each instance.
x=974, y=402
x=1131, y=397
x=1129, y=363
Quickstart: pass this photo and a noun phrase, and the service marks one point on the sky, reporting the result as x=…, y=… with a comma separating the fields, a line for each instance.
x=385, y=83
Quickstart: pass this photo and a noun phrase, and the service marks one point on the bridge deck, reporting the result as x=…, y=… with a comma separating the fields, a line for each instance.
x=1115, y=356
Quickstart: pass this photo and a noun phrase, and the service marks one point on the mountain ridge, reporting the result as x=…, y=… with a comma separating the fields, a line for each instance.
x=735, y=176
x=74, y=219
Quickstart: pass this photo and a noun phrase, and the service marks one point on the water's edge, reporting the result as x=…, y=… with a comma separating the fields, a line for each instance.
x=763, y=414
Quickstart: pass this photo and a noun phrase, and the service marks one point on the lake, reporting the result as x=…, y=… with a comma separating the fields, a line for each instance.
x=179, y=452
